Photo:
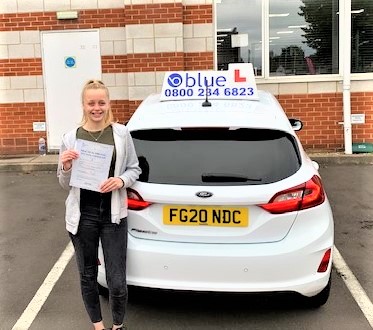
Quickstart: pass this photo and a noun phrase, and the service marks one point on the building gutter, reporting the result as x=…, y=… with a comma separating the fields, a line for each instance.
x=347, y=78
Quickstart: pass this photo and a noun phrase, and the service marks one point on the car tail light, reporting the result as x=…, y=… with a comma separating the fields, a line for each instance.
x=303, y=196
x=324, y=262
x=135, y=201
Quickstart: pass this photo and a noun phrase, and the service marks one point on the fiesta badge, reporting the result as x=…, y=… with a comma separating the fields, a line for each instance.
x=204, y=194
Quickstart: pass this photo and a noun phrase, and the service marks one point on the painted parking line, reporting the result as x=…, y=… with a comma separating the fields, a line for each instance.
x=353, y=285
x=37, y=302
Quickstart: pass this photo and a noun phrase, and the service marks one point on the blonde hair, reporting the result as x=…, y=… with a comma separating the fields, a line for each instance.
x=97, y=84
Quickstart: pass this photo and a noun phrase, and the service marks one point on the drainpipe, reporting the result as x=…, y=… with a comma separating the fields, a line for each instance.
x=347, y=79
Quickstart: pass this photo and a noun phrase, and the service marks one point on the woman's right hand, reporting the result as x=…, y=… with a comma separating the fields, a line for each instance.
x=67, y=158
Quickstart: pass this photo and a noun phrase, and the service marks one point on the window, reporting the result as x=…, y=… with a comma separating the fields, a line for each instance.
x=301, y=36
x=361, y=36
x=239, y=33
x=215, y=156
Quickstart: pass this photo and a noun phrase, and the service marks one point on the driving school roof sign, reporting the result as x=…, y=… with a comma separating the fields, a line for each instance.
x=238, y=82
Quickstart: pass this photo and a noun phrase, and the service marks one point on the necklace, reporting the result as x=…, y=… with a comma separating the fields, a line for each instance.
x=96, y=138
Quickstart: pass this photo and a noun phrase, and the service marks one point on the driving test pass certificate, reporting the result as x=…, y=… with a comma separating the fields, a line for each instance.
x=92, y=166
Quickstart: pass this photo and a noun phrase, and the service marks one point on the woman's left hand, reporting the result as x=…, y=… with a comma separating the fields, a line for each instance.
x=111, y=184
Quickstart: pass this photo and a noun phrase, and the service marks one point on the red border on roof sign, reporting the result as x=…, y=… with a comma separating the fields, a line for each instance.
x=238, y=82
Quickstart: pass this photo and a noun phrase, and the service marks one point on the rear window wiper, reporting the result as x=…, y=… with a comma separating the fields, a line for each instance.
x=222, y=177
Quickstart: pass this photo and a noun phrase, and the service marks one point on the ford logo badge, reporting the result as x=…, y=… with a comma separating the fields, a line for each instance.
x=204, y=194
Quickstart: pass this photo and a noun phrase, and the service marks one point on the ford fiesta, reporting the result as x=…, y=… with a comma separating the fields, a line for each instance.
x=227, y=201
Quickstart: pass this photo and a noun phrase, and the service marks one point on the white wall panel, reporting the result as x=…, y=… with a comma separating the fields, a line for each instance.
x=34, y=95
x=39, y=82
x=144, y=78
x=21, y=51
x=108, y=79
x=30, y=37
x=11, y=96
x=144, y=2
x=110, y=4
x=8, y=7
x=121, y=79
x=145, y=45
x=197, y=2
x=165, y=45
x=4, y=52
x=188, y=30
x=10, y=37
x=23, y=82
x=118, y=93
x=27, y=6
x=360, y=86
x=140, y=93
x=37, y=48
x=202, y=30
x=53, y=5
x=168, y=30
x=140, y=31
x=107, y=48
x=293, y=88
x=113, y=33
x=84, y=4
x=120, y=48
x=4, y=82
x=195, y=45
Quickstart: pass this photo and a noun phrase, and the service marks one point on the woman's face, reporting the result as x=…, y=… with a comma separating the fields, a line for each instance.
x=95, y=105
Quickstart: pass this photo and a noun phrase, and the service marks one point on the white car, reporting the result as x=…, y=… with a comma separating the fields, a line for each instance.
x=227, y=201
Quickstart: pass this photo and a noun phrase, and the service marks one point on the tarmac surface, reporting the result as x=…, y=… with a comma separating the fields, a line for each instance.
x=33, y=240
x=31, y=163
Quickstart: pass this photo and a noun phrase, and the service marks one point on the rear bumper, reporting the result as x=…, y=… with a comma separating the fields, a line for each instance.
x=287, y=265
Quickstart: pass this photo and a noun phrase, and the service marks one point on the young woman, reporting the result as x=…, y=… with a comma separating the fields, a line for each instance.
x=92, y=216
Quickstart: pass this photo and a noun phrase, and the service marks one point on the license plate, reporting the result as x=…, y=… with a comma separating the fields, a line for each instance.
x=219, y=216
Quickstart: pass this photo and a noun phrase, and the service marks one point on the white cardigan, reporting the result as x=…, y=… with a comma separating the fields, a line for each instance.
x=126, y=167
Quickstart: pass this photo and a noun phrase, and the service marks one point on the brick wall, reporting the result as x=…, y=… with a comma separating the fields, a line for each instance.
x=16, y=132
x=320, y=114
x=20, y=67
x=363, y=103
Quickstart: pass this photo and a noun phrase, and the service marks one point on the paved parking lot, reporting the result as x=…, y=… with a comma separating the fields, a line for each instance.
x=32, y=238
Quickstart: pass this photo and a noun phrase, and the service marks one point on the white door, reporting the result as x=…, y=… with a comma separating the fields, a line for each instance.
x=70, y=58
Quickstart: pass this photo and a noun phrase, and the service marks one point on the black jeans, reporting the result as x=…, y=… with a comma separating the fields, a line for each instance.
x=95, y=224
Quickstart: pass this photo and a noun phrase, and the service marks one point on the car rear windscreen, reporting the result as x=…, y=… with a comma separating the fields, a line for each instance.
x=209, y=156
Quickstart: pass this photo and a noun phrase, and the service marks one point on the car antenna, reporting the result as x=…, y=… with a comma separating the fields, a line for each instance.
x=206, y=103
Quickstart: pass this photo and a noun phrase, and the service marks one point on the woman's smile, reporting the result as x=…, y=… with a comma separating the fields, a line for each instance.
x=96, y=104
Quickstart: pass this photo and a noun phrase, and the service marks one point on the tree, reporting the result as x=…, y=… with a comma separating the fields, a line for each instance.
x=322, y=32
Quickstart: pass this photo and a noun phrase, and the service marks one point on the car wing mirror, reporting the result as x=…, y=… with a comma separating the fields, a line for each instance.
x=296, y=124
x=316, y=165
